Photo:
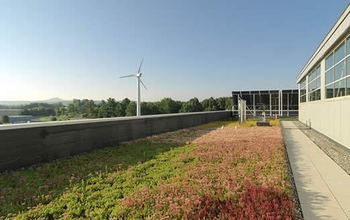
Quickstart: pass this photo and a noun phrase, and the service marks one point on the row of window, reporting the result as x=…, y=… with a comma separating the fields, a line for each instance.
x=303, y=90
x=337, y=77
x=338, y=54
x=314, y=84
x=339, y=88
x=337, y=71
x=336, y=89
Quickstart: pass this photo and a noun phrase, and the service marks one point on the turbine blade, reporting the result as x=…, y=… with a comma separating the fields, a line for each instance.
x=131, y=75
x=143, y=84
x=140, y=66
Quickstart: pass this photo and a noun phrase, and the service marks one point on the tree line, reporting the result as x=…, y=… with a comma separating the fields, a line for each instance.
x=40, y=109
x=86, y=108
x=111, y=108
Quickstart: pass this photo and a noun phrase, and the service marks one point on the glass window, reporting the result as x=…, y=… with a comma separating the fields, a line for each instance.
x=329, y=76
x=339, y=71
x=318, y=94
x=311, y=96
x=339, y=53
x=329, y=61
x=303, y=83
x=310, y=87
x=313, y=85
x=342, y=85
x=337, y=76
x=318, y=82
x=312, y=76
x=339, y=88
x=315, y=95
x=318, y=71
x=329, y=91
x=303, y=90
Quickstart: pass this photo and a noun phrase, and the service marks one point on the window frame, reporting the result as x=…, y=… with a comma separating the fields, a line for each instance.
x=346, y=74
x=314, y=94
x=302, y=86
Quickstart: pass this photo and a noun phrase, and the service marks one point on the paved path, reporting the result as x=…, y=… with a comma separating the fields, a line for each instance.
x=323, y=187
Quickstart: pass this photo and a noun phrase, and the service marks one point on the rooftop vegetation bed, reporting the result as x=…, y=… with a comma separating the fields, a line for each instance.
x=219, y=170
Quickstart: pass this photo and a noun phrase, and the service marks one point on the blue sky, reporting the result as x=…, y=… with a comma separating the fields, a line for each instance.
x=191, y=48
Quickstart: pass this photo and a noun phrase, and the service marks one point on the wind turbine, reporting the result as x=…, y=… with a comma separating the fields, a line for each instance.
x=138, y=76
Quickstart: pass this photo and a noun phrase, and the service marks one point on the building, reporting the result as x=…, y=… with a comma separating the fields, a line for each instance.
x=324, y=84
x=16, y=119
x=10, y=112
x=281, y=103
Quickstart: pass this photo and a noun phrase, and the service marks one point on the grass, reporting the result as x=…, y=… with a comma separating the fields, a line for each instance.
x=45, y=118
x=173, y=175
x=289, y=119
x=58, y=118
x=250, y=122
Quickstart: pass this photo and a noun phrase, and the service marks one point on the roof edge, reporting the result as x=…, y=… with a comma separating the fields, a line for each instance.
x=329, y=34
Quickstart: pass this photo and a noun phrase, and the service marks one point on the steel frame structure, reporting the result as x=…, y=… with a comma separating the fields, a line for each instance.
x=275, y=103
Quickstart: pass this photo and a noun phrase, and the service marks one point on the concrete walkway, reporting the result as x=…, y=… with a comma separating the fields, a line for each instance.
x=323, y=187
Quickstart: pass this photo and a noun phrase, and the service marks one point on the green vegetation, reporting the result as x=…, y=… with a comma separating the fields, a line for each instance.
x=52, y=118
x=251, y=122
x=193, y=105
x=57, y=181
x=112, y=108
x=5, y=119
x=202, y=172
x=131, y=109
x=39, y=109
x=289, y=119
x=4, y=107
x=85, y=108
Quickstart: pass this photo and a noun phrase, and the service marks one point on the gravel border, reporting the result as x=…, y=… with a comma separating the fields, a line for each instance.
x=299, y=211
x=337, y=152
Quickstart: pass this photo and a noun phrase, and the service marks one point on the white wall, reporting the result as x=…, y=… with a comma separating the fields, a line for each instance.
x=329, y=117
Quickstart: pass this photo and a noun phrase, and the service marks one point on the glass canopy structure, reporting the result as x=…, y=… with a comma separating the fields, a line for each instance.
x=280, y=103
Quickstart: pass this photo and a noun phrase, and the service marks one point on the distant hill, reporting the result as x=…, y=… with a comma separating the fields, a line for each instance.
x=48, y=101
x=53, y=100
x=4, y=104
x=9, y=103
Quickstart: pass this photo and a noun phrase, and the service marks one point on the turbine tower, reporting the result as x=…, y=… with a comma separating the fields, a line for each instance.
x=138, y=76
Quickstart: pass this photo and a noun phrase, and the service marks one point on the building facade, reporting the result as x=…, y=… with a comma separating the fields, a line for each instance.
x=324, y=84
x=10, y=112
x=280, y=103
x=17, y=119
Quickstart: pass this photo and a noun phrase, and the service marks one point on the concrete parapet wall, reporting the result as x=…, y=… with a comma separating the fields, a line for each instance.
x=330, y=117
x=27, y=144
